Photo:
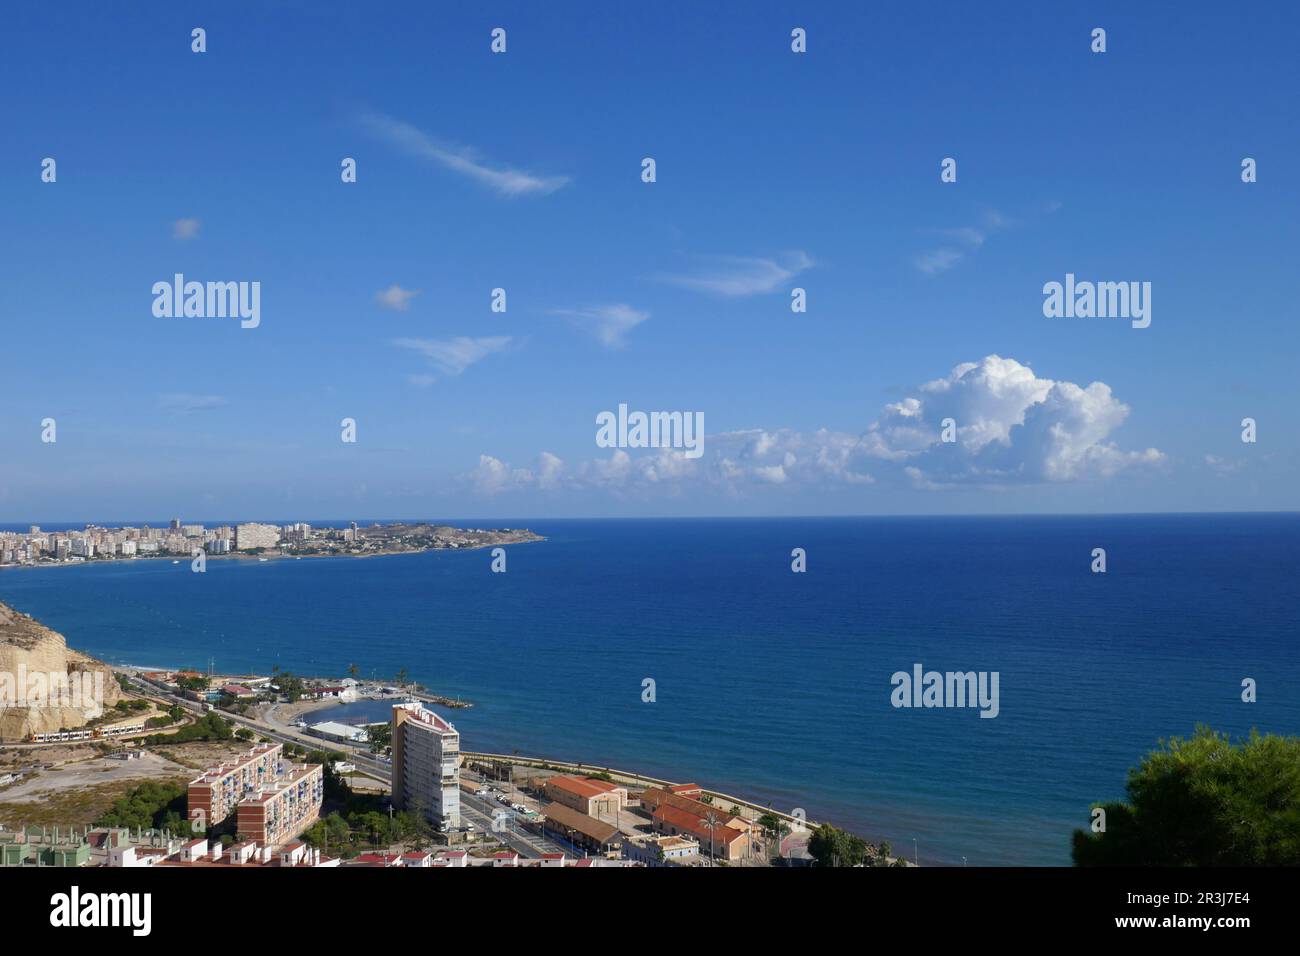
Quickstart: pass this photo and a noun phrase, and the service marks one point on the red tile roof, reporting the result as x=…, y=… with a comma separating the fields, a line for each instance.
x=583, y=787
x=694, y=824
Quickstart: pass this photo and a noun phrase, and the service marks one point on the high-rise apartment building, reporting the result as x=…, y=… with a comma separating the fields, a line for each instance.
x=249, y=536
x=426, y=765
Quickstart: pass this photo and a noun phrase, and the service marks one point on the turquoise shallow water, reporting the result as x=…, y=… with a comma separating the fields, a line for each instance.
x=771, y=684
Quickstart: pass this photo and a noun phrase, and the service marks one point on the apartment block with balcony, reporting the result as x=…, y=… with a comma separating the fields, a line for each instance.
x=277, y=811
x=215, y=795
x=426, y=765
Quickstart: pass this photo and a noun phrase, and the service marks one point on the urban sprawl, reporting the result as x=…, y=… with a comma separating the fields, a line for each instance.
x=95, y=543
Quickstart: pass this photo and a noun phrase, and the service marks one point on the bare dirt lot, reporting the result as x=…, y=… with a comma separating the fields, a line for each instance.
x=76, y=791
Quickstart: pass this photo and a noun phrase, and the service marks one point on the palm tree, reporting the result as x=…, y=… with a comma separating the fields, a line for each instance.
x=353, y=670
x=711, y=820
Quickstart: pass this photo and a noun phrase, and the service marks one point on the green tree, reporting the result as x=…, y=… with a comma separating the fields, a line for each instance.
x=831, y=846
x=1204, y=801
x=149, y=805
x=380, y=737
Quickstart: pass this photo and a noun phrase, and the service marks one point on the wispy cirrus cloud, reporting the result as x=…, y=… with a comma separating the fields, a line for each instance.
x=184, y=403
x=738, y=276
x=504, y=180
x=396, y=298
x=609, y=323
x=453, y=356
x=960, y=242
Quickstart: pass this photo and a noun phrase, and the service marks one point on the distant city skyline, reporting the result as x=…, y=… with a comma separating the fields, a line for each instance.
x=775, y=172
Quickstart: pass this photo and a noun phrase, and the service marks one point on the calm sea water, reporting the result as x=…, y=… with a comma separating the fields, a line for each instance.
x=770, y=684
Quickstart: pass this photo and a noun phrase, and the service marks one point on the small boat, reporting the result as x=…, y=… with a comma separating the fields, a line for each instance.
x=175, y=562
x=264, y=560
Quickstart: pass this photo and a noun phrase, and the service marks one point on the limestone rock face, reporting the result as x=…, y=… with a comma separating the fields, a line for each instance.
x=45, y=686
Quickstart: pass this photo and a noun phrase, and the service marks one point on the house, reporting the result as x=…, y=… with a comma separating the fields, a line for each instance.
x=662, y=850
x=194, y=851
x=723, y=841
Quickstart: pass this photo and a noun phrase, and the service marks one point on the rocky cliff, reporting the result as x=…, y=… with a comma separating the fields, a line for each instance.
x=45, y=686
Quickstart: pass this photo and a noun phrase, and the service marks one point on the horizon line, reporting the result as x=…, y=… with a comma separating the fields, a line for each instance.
x=164, y=523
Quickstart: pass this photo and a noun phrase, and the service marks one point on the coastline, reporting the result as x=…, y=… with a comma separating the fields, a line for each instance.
x=181, y=559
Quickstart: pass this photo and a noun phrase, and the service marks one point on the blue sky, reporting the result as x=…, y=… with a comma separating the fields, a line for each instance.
x=522, y=171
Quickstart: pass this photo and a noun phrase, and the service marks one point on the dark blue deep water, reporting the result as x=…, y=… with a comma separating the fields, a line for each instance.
x=770, y=684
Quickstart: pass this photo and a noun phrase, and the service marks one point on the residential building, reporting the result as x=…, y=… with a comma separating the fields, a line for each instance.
x=724, y=842
x=662, y=850
x=214, y=796
x=733, y=837
x=252, y=535
x=278, y=810
x=426, y=764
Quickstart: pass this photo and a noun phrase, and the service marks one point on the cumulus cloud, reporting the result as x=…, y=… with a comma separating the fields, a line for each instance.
x=1010, y=427
x=737, y=276
x=609, y=323
x=396, y=298
x=733, y=462
x=453, y=356
x=504, y=180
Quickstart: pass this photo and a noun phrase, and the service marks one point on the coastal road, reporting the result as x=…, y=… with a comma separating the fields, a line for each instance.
x=474, y=809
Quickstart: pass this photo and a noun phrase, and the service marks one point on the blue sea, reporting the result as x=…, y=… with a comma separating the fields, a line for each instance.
x=770, y=684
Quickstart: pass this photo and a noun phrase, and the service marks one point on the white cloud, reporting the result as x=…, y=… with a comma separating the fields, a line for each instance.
x=453, y=356
x=960, y=242
x=504, y=180
x=1011, y=428
x=494, y=476
x=396, y=298
x=185, y=229
x=736, y=276
x=609, y=323
x=1222, y=465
